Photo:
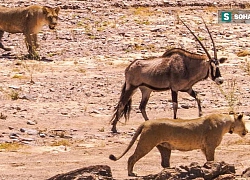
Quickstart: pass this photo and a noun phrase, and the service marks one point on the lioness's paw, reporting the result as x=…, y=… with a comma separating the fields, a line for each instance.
x=132, y=174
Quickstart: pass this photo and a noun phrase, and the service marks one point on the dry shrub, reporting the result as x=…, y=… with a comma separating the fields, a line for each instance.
x=229, y=91
x=10, y=146
x=243, y=53
x=62, y=142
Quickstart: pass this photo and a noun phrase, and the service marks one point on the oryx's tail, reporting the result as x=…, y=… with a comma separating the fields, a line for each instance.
x=127, y=108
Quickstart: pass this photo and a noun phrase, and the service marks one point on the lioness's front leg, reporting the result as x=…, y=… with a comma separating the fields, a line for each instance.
x=1, y=45
x=209, y=153
x=165, y=156
x=31, y=43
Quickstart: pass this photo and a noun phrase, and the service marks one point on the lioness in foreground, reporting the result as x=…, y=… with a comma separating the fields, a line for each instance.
x=203, y=133
x=29, y=21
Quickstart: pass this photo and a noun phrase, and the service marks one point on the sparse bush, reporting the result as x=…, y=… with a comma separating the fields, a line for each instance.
x=246, y=67
x=14, y=95
x=229, y=91
x=81, y=70
x=101, y=129
x=19, y=76
x=241, y=141
x=32, y=68
x=142, y=11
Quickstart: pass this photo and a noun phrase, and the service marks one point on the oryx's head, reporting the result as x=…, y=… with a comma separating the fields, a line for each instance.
x=214, y=71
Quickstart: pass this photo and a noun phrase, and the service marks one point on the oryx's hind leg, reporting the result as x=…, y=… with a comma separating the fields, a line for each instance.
x=1, y=45
x=122, y=107
x=144, y=100
x=192, y=93
x=175, y=102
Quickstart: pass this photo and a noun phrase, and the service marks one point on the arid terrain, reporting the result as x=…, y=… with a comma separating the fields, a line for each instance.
x=57, y=110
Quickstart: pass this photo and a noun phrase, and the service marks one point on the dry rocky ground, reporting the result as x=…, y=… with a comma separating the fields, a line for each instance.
x=58, y=109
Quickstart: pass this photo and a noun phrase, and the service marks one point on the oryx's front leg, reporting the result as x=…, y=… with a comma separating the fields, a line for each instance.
x=192, y=93
x=175, y=102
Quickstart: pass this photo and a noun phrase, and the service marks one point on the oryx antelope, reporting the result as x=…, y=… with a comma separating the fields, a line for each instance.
x=176, y=70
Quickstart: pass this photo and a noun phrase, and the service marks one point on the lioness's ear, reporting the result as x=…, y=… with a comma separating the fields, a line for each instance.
x=240, y=116
x=222, y=60
x=45, y=10
x=57, y=9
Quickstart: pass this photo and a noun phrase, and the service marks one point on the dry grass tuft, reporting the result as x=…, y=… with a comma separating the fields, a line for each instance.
x=142, y=11
x=243, y=53
x=229, y=91
x=241, y=141
x=10, y=146
x=63, y=142
x=246, y=66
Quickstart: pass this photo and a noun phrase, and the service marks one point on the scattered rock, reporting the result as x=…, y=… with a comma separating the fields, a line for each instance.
x=64, y=113
x=51, y=89
x=185, y=106
x=96, y=112
x=15, y=87
x=86, y=173
x=11, y=128
x=2, y=116
x=14, y=136
x=29, y=131
x=29, y=122
x=246, y=173
x=42, y=135
x=27, y=139
x=209, y=171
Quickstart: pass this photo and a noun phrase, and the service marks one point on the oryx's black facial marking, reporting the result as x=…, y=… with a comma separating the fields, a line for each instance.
x=215, y=72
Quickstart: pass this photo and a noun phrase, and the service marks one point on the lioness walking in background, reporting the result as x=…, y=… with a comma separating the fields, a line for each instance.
x=203, y=133
x=29, y=21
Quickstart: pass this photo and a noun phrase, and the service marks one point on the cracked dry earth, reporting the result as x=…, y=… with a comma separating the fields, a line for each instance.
x=60, y=122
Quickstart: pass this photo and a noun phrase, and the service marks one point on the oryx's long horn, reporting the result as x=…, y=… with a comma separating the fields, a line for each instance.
x=208, y=55
x=215, y=51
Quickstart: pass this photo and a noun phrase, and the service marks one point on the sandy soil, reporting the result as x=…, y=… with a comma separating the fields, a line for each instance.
x=65, y=113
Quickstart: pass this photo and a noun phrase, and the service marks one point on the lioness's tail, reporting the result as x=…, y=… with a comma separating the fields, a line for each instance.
x=137, y=133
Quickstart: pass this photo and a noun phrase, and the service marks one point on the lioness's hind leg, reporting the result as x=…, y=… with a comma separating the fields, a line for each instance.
x=165, y=156
x=1, y=45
